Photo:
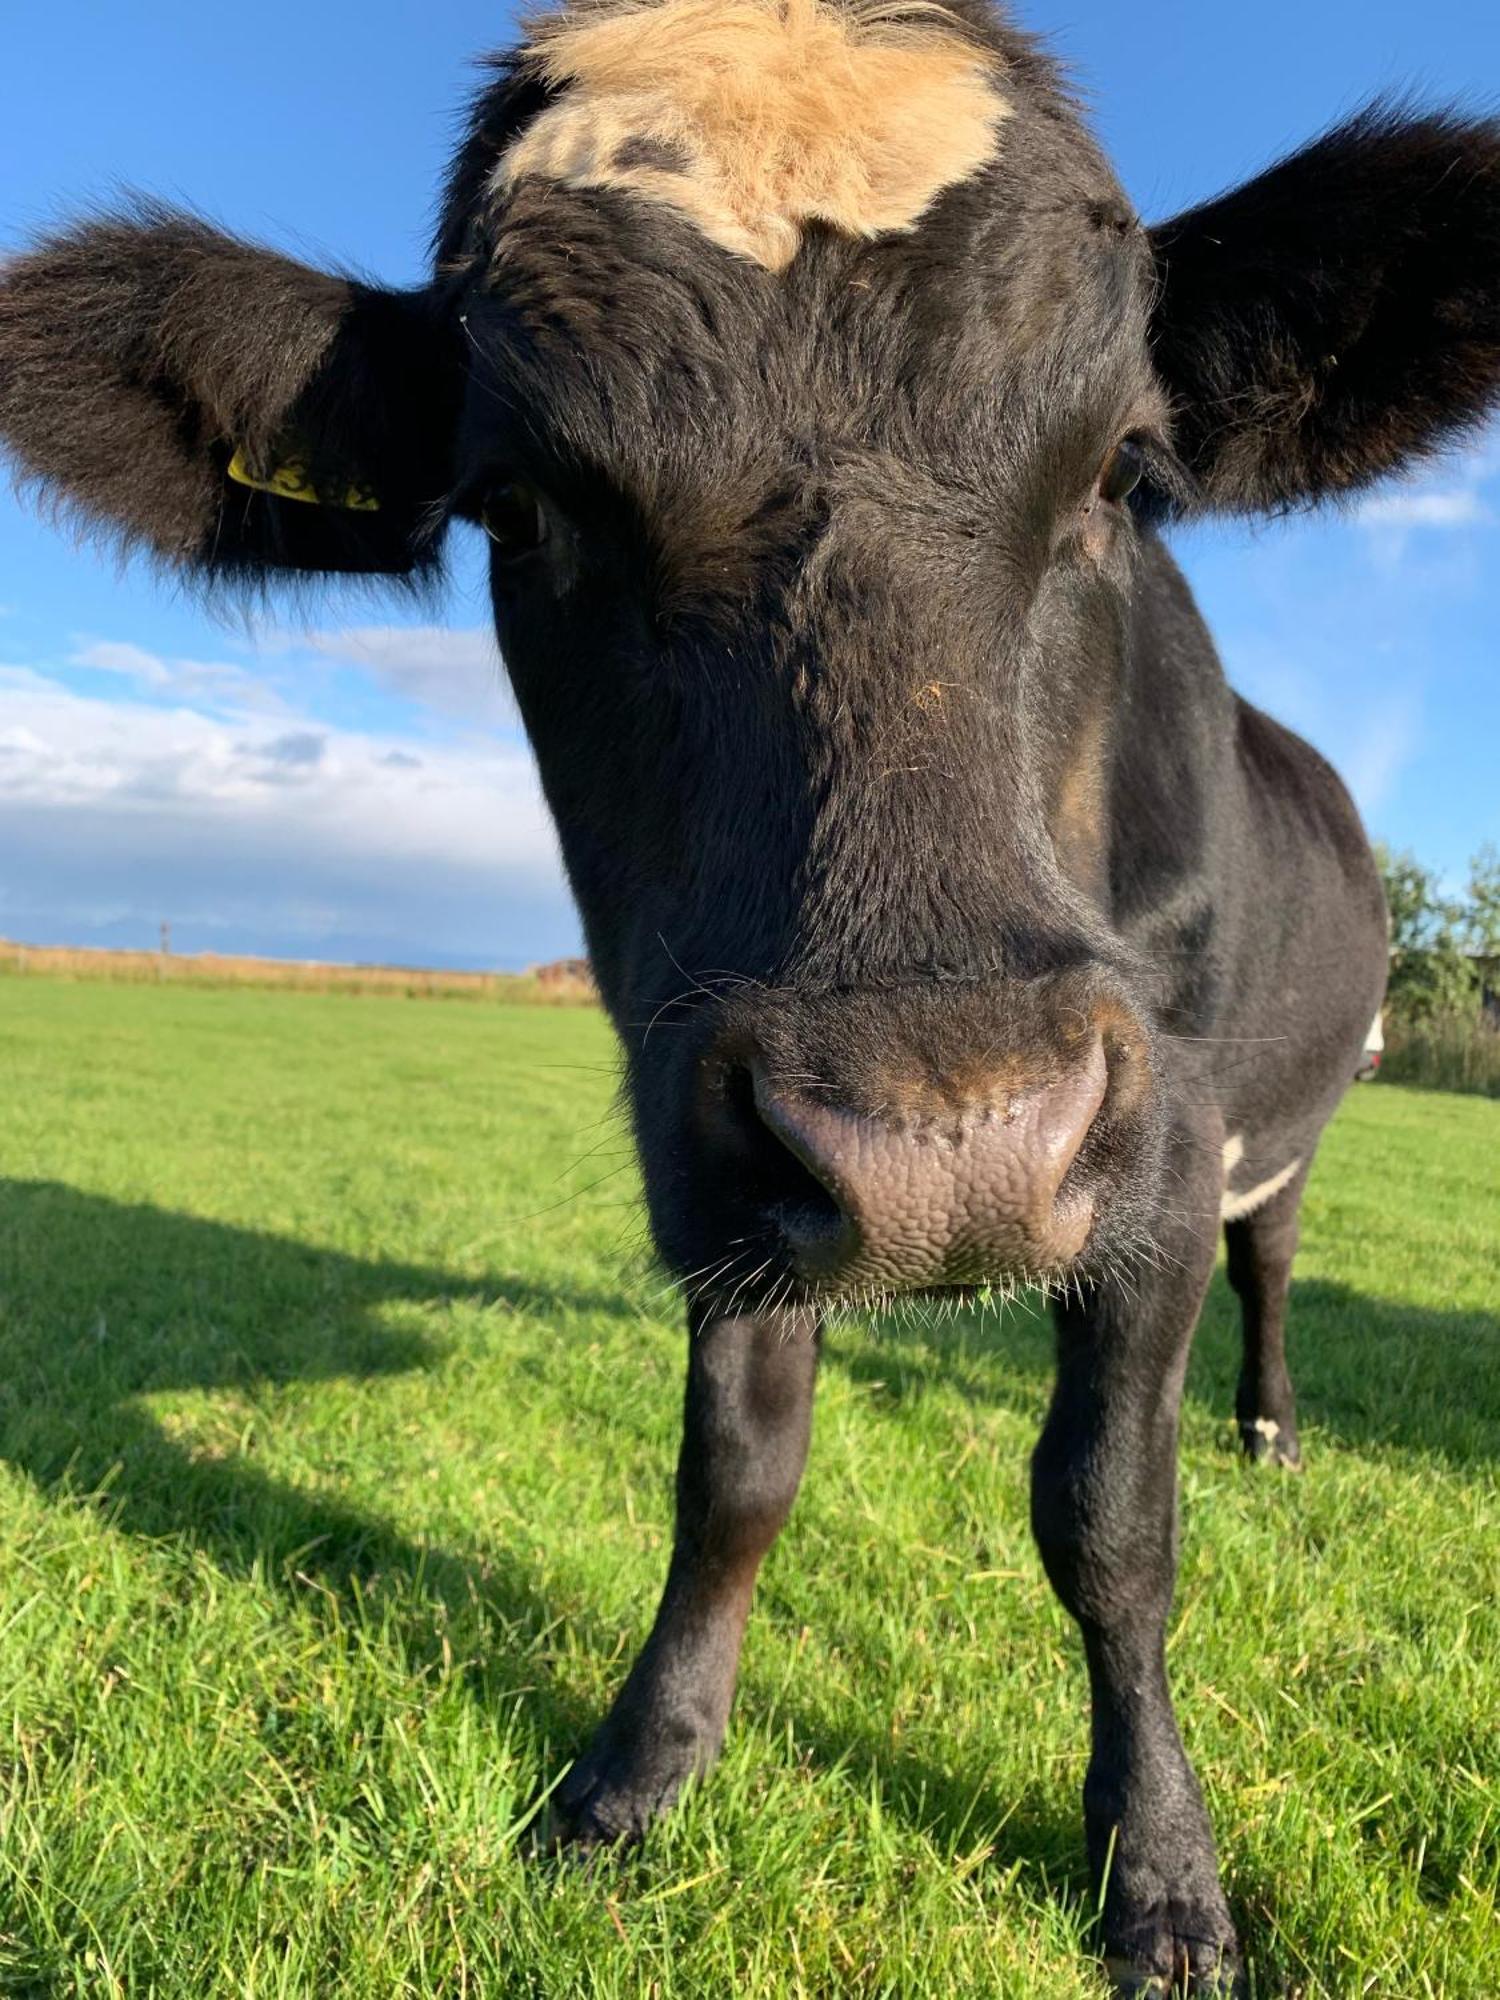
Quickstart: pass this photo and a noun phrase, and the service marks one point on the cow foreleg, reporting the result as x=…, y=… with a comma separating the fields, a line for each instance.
x=746, y=1425
x=1104, y=1485
x=1261, y=1247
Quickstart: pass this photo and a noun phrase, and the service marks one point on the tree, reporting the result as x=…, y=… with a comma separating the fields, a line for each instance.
x=1482, y=914
x=1431, y=970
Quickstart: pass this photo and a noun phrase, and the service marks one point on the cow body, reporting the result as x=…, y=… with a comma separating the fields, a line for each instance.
x=825, y=404
x=1243, y=870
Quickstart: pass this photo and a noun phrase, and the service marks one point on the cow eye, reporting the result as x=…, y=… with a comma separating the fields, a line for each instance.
x=1123, y=471
x=515, y=520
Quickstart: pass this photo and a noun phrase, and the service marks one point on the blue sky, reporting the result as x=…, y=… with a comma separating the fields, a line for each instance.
x=355, y=787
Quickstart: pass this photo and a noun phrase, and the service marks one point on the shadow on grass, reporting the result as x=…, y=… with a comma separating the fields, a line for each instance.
x=104, y=1302
x=1368, y=1372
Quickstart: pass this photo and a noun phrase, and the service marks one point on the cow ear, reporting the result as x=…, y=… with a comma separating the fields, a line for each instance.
x=232, y=411
x=1339, y=317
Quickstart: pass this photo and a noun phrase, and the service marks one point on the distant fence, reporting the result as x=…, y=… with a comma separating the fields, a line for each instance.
x=566, y=984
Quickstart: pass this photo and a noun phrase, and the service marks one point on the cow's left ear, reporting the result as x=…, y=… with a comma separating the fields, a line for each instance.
x=234, y=412
x=1337, y=317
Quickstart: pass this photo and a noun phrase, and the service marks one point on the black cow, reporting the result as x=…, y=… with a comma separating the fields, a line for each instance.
x=823, y=398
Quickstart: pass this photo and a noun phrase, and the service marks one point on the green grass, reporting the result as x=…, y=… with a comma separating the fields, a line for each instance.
x=335, y=1457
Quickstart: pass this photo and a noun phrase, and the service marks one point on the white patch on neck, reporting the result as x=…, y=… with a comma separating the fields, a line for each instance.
x=754, y=118
x=1235, y=1206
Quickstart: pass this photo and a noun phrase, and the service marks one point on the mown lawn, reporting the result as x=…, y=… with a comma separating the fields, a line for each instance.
x=337, y=1446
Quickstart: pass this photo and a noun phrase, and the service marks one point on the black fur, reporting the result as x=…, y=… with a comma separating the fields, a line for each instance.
x=884, y=751
x=138, y=352
x=1338, y=316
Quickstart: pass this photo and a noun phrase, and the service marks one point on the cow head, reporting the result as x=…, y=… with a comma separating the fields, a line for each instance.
x=817, y=389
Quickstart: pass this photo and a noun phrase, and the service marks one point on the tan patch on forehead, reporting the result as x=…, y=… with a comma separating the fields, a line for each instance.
x=754, y=118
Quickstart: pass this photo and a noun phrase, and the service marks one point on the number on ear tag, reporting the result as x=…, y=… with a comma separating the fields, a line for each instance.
x=289, y=481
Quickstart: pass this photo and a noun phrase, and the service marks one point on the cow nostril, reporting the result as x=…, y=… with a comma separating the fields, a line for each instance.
x=912, y=1202
x=938, y=1187
x=774, y=1174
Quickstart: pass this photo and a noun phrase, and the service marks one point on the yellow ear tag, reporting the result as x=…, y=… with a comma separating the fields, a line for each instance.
x=289, y=481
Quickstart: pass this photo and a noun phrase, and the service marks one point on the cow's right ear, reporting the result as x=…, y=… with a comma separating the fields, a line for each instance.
x=234, y=412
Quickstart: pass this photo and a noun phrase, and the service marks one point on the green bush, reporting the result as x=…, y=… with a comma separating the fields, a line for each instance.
x=1445, y=1051
x=1433, y=974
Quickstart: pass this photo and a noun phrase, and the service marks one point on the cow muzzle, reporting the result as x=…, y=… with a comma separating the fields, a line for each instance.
x=953, y=1200
x=954, y=1175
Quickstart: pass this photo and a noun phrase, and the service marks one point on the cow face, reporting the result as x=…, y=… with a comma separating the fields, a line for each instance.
x=812, y=558
x=815, y=387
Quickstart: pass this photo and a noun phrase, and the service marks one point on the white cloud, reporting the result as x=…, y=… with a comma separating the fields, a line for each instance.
x=455, y=672
x=119, y=812
x=213, y=683
x=477, y=806
x=134, y=663
x=1450, y=501
x=1455, y=508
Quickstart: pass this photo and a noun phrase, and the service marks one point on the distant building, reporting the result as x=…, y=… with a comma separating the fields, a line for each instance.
x=566, y=975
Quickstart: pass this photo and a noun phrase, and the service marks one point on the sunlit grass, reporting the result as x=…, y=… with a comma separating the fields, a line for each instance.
x=337, y=1451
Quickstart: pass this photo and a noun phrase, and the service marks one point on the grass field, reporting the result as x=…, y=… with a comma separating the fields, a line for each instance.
x=558, y=985
x=337, y=1447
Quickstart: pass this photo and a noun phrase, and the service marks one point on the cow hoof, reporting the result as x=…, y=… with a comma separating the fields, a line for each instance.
x=1128, y=1984
x=602, y=1803
x=1266, y=1442
x=1204, y=1971
x=590, y=1814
